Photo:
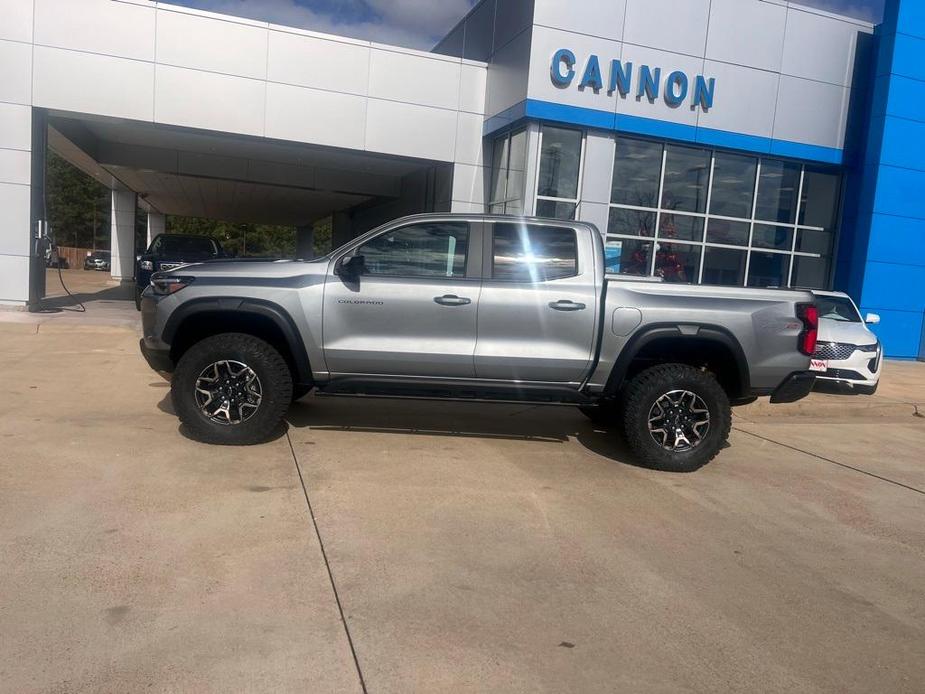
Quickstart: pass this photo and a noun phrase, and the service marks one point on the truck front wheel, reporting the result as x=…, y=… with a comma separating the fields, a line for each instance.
x=676, y=418
x=231, y=389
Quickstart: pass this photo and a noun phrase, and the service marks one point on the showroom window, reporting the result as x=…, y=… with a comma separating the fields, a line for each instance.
x=690, y=214
x=508, y=167
x=559, y=179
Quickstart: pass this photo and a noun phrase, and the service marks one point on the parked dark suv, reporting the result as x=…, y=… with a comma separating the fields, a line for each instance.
x=170, y=251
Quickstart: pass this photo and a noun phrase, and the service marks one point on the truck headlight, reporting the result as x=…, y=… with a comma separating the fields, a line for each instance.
x=147, y=265
x=169, y=285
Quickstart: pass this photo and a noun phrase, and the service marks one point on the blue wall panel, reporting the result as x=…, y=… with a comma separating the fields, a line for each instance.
x=882, y=248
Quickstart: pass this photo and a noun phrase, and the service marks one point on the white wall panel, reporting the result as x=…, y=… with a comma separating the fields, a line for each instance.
x=311, y=61
x=15, y=217
x=506, y=82
x=312, y=115
x=472, y=80
x=89, y=83
x=819, y=48
x=466, y=207
x=99, y=26
x=595, y=213
x=469, y=139
x=545, y=44
x=15, y=72
x=591, y=17
x=14, y=276
x=811, y=112
x=598, y=167
x=672, y=25
x=747, y=33
x=469, y=183
x=15, y=167
x=409, y=130
x=659, y=109
x=211, y=44
x=17, y=20
x=745, y=100
x=414, y=79
x=210, y=101
x=15, y=126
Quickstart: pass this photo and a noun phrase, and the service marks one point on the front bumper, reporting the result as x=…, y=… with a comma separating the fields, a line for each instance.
x=795, y=387
x=155, y=351
x=860, y=369
x=158, y=357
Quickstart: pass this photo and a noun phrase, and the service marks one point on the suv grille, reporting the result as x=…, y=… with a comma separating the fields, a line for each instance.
x=834, y=350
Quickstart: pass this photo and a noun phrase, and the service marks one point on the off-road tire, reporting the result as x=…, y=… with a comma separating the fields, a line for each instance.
x=646, y=388
x=270, y=367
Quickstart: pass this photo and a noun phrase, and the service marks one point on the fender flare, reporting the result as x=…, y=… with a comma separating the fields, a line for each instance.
x=257, y=307
x=705, y=331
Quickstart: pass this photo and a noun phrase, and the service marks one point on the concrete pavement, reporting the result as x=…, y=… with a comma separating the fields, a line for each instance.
x=471, y=548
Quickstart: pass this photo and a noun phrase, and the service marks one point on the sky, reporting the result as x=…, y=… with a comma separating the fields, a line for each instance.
x=414, y=23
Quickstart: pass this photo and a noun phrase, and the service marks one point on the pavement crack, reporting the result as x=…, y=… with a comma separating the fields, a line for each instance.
x=327, y=566
x=833, y=462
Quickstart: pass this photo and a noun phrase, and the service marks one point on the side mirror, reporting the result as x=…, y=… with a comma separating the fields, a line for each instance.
x=872, y=318
x=350, y=267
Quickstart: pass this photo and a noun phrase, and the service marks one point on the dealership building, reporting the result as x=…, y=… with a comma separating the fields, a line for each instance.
x=723, y=142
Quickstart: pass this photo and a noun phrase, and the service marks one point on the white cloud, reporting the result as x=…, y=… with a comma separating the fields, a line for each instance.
x=412, y=23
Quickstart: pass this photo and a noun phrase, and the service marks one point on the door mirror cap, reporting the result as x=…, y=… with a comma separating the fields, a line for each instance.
x=350, y=267
x=872, y=318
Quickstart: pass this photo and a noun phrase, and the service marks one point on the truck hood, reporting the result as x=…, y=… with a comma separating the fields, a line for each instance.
x=843, y=331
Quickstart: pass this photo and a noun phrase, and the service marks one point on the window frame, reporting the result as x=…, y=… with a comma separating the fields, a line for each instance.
x=576, y=201
x=505, y=169
x=471, y=264
x=749, y=248
x=488, y=264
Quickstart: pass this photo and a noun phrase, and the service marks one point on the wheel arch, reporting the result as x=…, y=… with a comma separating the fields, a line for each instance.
x=712, y=346
x=202, y=318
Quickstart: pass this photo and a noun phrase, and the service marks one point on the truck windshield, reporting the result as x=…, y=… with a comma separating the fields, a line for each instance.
x=837, y=308
x=199, y=246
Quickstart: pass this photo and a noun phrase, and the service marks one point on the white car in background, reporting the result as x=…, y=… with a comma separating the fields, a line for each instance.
x=847, y=352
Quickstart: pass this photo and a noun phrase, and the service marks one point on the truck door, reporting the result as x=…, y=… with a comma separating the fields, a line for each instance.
x=412, y=310
x=538, y=307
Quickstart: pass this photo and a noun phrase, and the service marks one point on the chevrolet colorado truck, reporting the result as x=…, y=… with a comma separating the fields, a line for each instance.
x=491, y=308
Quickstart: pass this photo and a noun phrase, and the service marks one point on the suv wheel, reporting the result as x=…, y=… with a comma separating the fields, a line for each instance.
x=677, y=418
x=231, y=389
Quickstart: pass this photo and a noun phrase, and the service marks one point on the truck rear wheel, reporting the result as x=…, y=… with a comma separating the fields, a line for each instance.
x=231, y=389
x=677, y=417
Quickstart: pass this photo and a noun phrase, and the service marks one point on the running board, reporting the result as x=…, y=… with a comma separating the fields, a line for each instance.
x=447, y=390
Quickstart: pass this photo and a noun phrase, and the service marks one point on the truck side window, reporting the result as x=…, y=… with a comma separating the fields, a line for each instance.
x=434, y=249
x=533, y=253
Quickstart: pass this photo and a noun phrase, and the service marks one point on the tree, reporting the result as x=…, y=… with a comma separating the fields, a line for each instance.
x=78, y=205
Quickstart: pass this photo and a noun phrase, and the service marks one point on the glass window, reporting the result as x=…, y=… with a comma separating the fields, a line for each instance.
x=531, y=253
x=733, y=185
x=637, y=168
x=768, y=269
x=812, y=273
x=499, y=163
x=178, y=246
x=677, y=262
x=554, y=209
x=508, y=165
x=631, y=222
x=729, y=233
x=778, y=238
x=434, y=249
x=628, y=256
x=724, y=266
x=681, y=227
x=687, y=175
x=819, y=203
x=811, y=241
x=778, y=187
x=560, y=159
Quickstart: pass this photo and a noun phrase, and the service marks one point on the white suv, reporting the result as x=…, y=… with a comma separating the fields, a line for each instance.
x=847, y=352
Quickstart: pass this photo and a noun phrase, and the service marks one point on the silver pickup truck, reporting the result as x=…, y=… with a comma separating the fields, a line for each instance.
x=480, y=307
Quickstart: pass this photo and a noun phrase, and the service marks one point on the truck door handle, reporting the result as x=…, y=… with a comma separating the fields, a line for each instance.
x=452, y=300
x=566, y=305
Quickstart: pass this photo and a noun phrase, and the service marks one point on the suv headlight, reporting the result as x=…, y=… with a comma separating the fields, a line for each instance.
x=169, y=285
x=869, y=348
x=147, y=265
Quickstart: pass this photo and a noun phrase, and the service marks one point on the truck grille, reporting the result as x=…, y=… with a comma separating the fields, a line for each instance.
x=833, y=350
